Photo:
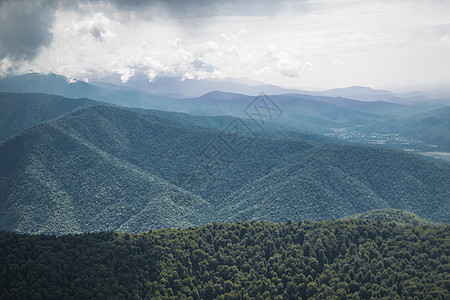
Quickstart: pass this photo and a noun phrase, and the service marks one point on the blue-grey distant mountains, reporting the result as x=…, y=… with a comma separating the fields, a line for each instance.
x=183, y=88
x=173, y=87
x=318, y=112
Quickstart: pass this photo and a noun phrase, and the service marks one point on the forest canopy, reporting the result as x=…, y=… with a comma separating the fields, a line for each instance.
x=344, y=259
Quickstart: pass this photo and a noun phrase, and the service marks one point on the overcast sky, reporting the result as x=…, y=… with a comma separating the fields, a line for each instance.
x=397, y=45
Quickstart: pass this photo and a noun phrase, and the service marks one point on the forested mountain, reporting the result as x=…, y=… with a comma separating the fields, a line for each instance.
x=337, y=180
x=20, y=111
x=54, y=180
x=106, y=168
x=351, y=259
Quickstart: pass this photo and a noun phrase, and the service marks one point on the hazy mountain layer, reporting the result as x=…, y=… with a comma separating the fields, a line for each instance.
x=318, y=112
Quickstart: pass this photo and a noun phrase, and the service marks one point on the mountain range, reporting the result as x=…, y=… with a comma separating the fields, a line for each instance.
x=184, y=88
x=344, y=118
x=97, y=167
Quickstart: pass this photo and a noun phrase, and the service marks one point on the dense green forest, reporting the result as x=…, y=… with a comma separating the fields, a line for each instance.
x=104, y=168
x=345, y=259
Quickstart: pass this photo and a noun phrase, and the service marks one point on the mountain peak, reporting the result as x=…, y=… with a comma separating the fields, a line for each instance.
x=355, y=90
x=221, y=96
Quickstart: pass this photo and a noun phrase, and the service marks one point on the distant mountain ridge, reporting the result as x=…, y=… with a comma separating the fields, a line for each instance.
x=172, y=87
x=302, y=112
x=196, y=88
x=62, y=86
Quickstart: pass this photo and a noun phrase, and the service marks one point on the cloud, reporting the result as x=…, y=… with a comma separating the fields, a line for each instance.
x=25, y=28
x=284, y=63
x=279, y=42
x=182, y=9
x=98, y=26
x=26, y=25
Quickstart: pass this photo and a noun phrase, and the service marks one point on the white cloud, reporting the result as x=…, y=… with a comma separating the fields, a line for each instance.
x=97, y=26
x=284, y=63
x=383, y=43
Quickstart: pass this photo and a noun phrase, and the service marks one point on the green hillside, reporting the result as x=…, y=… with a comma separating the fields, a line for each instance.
x=390, y=215
x=53, y=181
x=21, y=111
x=351, y=259
x=341, y=180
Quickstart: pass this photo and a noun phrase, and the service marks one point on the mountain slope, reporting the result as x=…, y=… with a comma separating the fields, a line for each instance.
x=23, y=110
x=54, y=181
x=104, y=168
x=167, y=148
x=20, y=111
x=341, y=180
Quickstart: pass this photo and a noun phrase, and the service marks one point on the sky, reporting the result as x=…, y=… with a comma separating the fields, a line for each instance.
x=385, y=44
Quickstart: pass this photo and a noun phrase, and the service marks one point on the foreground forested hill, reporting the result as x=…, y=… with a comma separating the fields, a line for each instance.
x=351, y=259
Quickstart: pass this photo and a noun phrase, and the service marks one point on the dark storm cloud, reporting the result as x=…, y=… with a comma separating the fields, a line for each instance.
x=182, y=9
x=25, y=28
x=25, y=24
